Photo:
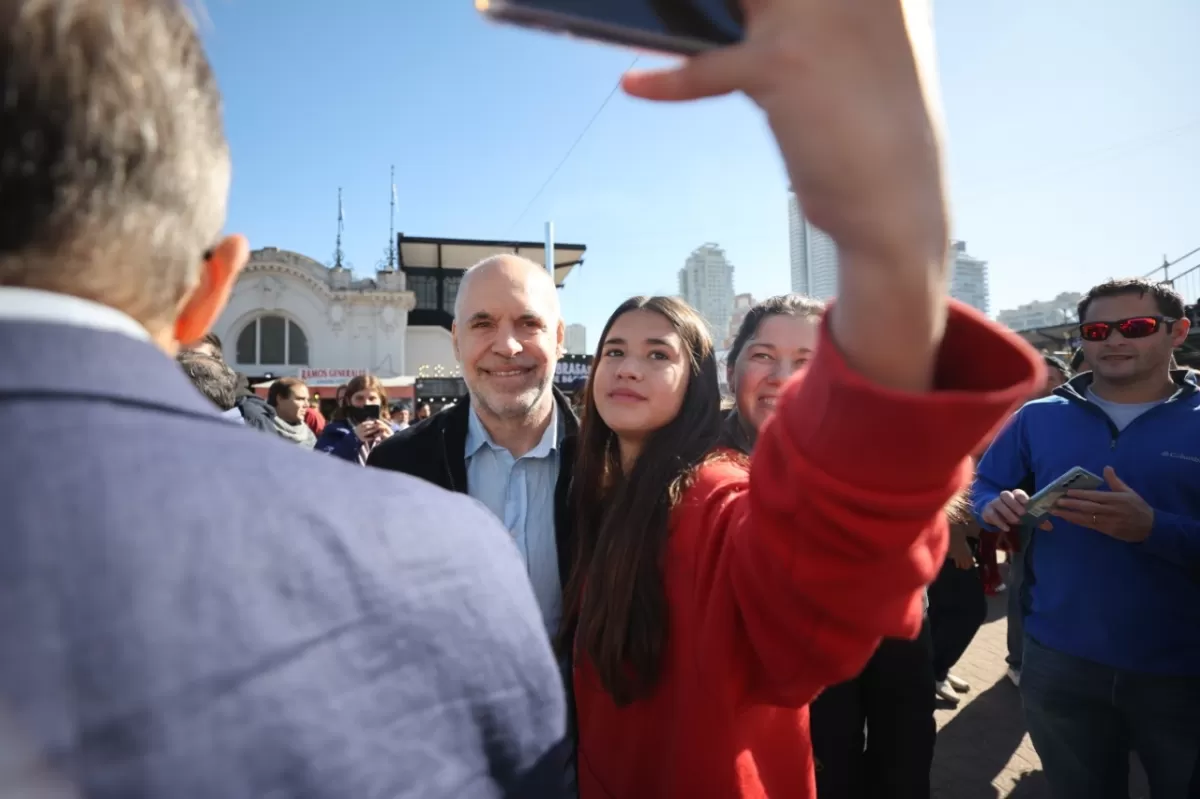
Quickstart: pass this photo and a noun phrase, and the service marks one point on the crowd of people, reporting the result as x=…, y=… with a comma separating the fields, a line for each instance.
x=656, y=597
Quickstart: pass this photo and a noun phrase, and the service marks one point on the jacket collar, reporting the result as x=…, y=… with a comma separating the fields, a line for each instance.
x=48, y=307
x=52, y=359
x=1076, y=388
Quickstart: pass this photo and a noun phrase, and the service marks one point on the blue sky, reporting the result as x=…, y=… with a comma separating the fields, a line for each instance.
x=1074, y=128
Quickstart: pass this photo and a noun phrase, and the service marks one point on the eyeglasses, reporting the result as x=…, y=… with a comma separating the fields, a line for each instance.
x=1133, y=327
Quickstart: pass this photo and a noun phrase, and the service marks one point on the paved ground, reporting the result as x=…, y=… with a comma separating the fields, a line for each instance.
x=983, y=751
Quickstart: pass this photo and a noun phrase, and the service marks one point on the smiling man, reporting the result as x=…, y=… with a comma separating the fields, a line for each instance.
x=510, y=445
x=1111, y=659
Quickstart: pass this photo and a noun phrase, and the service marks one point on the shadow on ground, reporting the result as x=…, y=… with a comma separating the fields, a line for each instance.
x=982, y=740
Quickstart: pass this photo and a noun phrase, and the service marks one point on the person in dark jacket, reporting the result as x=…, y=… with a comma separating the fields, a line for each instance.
x=255, y=411
x=350, y=437
x=892, y=699
x=513, y=427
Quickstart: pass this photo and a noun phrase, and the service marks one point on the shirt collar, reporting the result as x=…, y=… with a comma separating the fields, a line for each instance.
x=35, y=305
x=478, y=436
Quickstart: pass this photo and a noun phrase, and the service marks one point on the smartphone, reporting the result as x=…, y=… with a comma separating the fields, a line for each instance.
x=359, y=414
x=1041, y=503
x=683, y=27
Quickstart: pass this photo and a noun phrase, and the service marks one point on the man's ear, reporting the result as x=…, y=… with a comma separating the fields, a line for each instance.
x=560, y=343
x=454, y=341
x=1179, y=332
x=199, y=310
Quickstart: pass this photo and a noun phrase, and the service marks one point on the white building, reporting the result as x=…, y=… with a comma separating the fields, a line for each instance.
x=575, y=341
x=1061, y=310
x=814, y=255
x=706, y=283
x=292, y=316
x=742, y=304
x=968, y=278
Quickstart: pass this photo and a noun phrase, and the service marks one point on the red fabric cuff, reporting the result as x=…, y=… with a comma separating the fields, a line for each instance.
x=893, y=441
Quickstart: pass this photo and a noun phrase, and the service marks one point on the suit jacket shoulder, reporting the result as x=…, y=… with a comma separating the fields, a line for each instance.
x=185, y=614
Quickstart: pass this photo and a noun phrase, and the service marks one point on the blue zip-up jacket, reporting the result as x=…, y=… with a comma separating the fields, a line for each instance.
x=1127, y=606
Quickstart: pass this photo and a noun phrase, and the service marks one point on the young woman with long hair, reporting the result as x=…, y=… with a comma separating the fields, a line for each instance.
x=352, y=438
x=710, y=602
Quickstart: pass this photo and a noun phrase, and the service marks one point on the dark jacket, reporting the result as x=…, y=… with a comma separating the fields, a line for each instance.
x=153, y=643
x=338, y=440
x=257, y=413
x=434, y=448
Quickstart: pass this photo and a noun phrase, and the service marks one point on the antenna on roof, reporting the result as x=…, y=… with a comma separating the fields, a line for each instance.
x=391, y=258
x=341, y=225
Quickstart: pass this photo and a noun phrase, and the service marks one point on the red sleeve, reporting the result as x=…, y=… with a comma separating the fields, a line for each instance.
x=827, y=546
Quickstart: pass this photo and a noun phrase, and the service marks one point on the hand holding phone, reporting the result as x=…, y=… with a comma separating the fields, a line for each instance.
x=1042, y=503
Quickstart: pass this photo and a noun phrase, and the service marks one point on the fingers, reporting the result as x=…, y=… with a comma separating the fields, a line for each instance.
x=1075, y=517
x=1114, y=482
x=1081, y=505
x=1011, y=505
x=710, y=74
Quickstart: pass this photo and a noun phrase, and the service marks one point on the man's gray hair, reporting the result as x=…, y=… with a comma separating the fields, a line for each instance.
x=114, y=168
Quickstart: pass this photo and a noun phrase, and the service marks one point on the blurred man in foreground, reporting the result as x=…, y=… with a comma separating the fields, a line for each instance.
x=189, y=624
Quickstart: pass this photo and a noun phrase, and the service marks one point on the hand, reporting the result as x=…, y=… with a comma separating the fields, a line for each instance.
x=372, y=430
x=1118, y=513
x=848, y=88
x=960, y=552
x=1005, y=511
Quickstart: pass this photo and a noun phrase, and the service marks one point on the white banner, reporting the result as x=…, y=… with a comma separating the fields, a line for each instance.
x=329, y=377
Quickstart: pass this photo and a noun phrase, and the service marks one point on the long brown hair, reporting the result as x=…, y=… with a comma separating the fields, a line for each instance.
x=621, y=520
x=361, y=383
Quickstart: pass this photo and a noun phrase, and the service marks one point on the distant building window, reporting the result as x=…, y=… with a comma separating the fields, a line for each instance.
x=450, y=289
x=425, y=289
x=272, y=340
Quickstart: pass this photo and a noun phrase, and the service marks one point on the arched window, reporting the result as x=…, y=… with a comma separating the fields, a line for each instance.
x=272, y=340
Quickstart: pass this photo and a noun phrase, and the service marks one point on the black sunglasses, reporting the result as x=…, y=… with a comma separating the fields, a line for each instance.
x=1133, y=327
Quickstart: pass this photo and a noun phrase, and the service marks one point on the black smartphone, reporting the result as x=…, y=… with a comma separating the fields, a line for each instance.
x=361, y=413
x=682, y=27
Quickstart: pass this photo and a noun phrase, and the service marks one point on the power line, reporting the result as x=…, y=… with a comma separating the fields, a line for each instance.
x=571, y=149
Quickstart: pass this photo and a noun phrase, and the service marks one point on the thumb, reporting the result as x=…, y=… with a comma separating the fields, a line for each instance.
x=709, y=74
x=1114, y=482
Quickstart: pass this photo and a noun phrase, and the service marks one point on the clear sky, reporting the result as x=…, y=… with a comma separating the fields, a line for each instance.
x=1073, y=133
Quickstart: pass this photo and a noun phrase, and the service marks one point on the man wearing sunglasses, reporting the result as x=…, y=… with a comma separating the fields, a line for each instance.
x=1111, y=597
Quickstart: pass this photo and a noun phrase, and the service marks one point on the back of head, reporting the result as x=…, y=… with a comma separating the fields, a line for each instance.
x=114, y=169
x=213, y=378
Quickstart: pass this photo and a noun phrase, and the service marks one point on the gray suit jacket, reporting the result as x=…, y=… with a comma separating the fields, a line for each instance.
x=193, y=609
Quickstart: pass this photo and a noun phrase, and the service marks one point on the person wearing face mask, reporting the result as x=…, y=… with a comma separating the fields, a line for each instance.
x=352, y=434
x=892, y=698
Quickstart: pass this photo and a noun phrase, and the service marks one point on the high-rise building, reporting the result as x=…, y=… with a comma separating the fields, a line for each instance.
x=814, y=255
x=742, y=304
x=575, y=340
x=968, y=278
x=706, y=283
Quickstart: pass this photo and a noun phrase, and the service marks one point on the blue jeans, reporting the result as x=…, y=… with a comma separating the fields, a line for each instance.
x=1016, y=600
x=1085, y=719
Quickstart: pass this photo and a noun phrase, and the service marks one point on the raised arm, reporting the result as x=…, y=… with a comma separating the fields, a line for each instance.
x=827, y=545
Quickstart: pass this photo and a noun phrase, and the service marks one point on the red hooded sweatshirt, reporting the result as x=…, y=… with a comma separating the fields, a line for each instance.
x=782, y=579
